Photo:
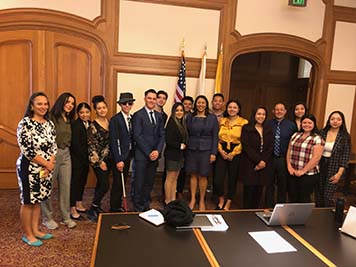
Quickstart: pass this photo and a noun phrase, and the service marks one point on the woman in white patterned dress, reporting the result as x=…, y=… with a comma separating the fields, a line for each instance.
x=37, y=141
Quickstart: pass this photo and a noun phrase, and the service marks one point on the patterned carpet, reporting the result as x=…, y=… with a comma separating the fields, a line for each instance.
x=67, y=248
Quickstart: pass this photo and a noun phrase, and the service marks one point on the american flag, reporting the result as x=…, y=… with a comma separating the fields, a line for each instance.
x=180, y=88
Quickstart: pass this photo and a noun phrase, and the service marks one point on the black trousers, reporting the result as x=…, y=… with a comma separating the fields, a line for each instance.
x=116, y=187
x=78, y=182
x=232, y=169
x=301, y=188
x=102, y=185
x=252, y=196
x=280, y=176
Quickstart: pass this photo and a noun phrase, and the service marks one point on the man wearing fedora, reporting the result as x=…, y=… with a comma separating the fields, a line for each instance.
x=121, y=146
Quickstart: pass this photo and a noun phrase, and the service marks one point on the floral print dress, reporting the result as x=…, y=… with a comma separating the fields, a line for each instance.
x=34, y=138
x=98, y=144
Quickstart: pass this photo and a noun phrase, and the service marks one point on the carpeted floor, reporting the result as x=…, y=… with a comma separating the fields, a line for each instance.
x=69, y=247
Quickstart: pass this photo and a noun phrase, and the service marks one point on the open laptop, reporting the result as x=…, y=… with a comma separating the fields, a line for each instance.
x=349, y=225
x=287, y=214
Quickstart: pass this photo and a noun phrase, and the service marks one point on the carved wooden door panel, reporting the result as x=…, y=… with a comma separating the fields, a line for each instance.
x=37, y=60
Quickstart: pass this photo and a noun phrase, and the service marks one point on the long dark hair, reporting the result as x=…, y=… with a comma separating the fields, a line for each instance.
x=342, y=129
x=225, y=114
x=252, y=122
x=293, y=117
x=311, y=117
x=29, y=109
x=195, y=112
x=58, y=106
x=179, y=122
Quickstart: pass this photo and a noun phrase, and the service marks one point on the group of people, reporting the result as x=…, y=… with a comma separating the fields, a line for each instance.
x=292, y=155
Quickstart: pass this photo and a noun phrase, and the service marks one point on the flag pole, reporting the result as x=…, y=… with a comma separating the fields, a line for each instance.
x=181, y=84
x=218, y=76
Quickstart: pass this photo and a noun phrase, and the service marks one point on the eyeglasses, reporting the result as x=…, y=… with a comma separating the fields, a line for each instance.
x=127, y=103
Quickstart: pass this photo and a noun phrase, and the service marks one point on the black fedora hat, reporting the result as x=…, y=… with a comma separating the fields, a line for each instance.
x=125, y=97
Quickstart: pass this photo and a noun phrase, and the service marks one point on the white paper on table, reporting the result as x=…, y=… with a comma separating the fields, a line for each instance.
x=153, y=216
x=272, y=242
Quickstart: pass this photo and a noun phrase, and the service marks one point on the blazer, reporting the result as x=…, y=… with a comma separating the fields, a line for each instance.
x=120, y=140
x=203, y=138
x=340, y=154
x=147, y=137
x=174, y=139
x=79, y=144
x=252, y=155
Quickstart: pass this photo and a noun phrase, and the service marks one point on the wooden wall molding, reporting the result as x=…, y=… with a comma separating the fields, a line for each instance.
x=215, y=4
x=160, y=65
x=342, y=77
x=276, y=42
x=282, y=43
x=169, y=65
x=41, y=14
x=8, y=136
x=345, y=14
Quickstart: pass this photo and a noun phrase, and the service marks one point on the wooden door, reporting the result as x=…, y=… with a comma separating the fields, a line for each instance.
x=264, y=78
x=35, y=60
x=18, y=61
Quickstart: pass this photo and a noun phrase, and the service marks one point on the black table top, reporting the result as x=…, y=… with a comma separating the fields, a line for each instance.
x=145, y=244
x=321, y=231
x=236, y=247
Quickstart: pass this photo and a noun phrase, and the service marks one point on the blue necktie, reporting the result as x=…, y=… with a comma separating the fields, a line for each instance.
x=277, y=140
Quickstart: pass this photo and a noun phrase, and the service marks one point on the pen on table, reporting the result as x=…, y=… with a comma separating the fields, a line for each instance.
x=120, y=227
x=216, y=219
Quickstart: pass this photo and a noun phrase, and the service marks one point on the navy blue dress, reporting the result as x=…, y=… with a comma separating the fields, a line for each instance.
x=202, y=142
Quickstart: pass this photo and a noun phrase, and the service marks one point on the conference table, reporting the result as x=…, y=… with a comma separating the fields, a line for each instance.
x=318, y=243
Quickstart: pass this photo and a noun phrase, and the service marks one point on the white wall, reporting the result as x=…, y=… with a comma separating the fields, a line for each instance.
x=340, y=97
x=256, y=16
x=344, y=50
x=89, y=9
x=159, y=29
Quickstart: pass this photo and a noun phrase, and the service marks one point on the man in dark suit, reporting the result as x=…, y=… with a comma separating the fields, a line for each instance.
x=283, y=129
x=121, y=146
x=149, y=136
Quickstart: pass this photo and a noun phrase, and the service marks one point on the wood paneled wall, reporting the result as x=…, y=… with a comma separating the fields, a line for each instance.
x=55, y=52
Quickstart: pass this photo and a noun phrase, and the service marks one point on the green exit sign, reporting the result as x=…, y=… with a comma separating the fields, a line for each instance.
x=300, y=3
